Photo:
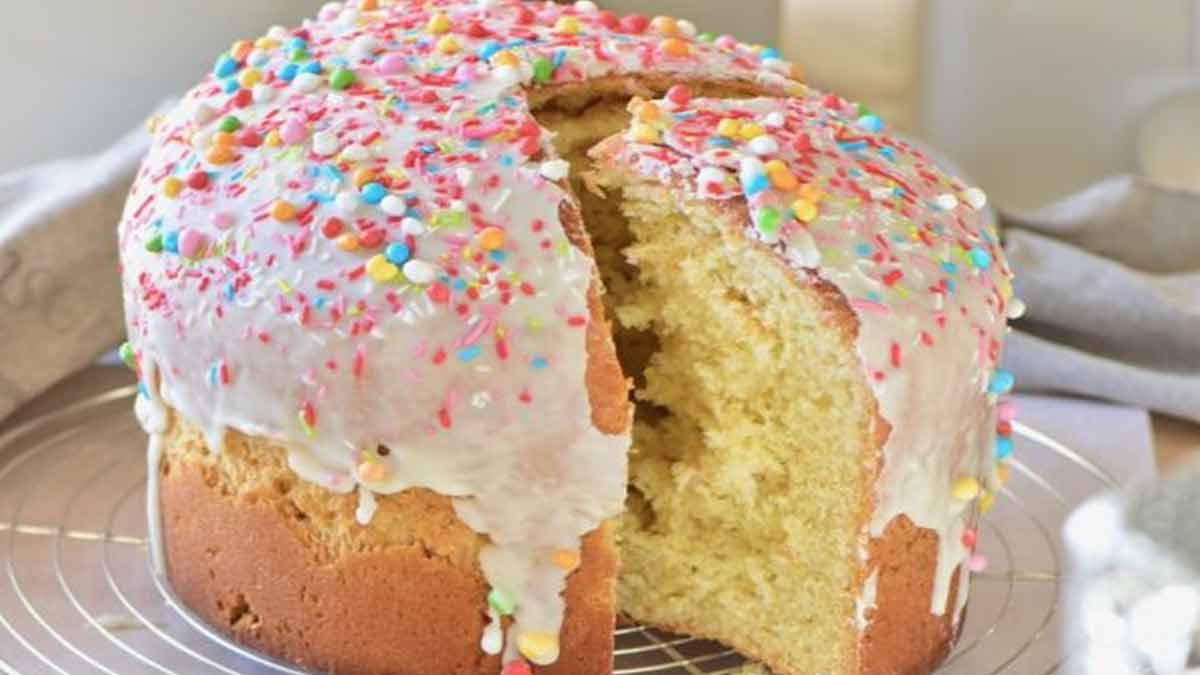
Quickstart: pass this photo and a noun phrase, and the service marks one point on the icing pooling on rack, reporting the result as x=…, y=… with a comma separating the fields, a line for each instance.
x=908, y=249
x=347, y=239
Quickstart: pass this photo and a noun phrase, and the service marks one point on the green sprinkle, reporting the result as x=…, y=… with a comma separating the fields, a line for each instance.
x=863, y=109
x=450, y=219
x=298, y=54
x=768, y=220
x=230, y=124
x=543, y=69
x=706, y=37
x=155, y=244
x=126, y=354
x=501, y=601
x=341, y=79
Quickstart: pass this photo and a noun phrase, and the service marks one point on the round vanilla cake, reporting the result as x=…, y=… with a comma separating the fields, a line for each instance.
x=464, y=326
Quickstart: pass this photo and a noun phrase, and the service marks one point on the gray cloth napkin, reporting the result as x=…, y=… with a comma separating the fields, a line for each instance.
x=1111, y=277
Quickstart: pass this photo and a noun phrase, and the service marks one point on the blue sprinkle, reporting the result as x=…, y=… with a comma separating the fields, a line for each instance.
x=506, y=160
x=225, y=66
x=212, y=375
x=489, y=49
x=171, y=242
x=288, y=72
x=950, y=285
x=396, y=253
x=949, y=267
x=157, y=224
x=230, y=293
x=337, y=62
x=311, y=67
x=497, y=255
x=720, y=142
x=474, y=144
x=373, y=193
x=980, y=258
x=427, y=149
x=319, y=302
x=459, y=284
x=517, y=43
x=319, y=197
x=332, y=172
x=854, y=173
x=888, y=154
x=538, y=363
x=874, y=296
x=297, y=43
x=870, y=123
x=757, y=183
x=468, y=354
x=1004, y=448
x=1002, y=382
x=560, y=57
x=854, y=146
x=229, y=86
x=142, y=391
x=863, y=250
x=769, y=53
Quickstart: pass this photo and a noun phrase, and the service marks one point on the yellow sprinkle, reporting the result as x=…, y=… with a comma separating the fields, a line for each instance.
x=363, y=176
x=567, y=25
x=152, y=123
x=729, y=127
x=644, y=133
x=284, y=287
x=347, y=242
x=986, y=501
x=565, y=560
x=505, y=58
x=491, y=238
x=171, y=187
x=447, y=44
x=965, y=489
x=249, y=77
x=266, y=43
x=381, y=269
x=1003, y=473
x=371, y=471
x=1006, y=289
x=273, y=140
x=647, y=111
x=781, y=177
x=804, y=210
x=439, y=23
x=750, y=131
x=540, y=648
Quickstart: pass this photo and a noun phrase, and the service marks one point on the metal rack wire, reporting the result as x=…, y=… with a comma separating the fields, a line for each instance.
x=77, y=594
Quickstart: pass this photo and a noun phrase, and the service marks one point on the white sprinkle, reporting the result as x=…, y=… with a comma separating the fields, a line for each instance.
x=711, y=175
x=203, y=114
x=774, y=120
x=507, y=76
x=331, y=7
x=278, y=32
x=502, y=201
x=1016, y=308
x=258, y=57
x=412, y=226
x=419, y=271
x=947, y=201
x=306, y=82
x=975, y=197
x=325, y=143
x=555, y=169
x=465, y=176
x=763, y=145
x=586, y=6
x=263, y=93
x=481, y=399
x=355, y=153
x=201, y=139
x=486, y=4
x=347, y=18
x=347, y=202
x=363, y=46
x=686, y=27
x=393, y=206
x=882, y=193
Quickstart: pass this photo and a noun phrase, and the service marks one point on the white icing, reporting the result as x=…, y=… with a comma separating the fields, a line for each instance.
x=865, y=602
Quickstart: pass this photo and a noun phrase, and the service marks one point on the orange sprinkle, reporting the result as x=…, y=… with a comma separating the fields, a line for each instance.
x=219, y=154
x=665, y=26
x=223, y=139
x=241, y=49
x=812, y=193
x=362, y=177
x=647, y=111
x=447, y=44
x=491, y=238
x=505, y=58
x=347, y=242
x=283, y=211
x=674, y=47
x=368, y=5
x=781, y=177
x=565, y=560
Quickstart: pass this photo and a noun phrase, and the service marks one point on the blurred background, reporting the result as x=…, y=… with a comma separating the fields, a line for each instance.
x=1034, y=98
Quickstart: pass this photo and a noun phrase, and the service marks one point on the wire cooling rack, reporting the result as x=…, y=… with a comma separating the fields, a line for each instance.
x=77, y=594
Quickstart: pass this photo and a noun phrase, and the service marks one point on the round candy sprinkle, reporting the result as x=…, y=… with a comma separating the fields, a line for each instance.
x=438, y=23
x=969, y=537
x=555, y=169
x=325, y=143
x=229, y=124
x=975, y=197
x=540, y=648
x=126, y=354
x=567, y=25
x=307, y=82
x=332, y=227
x=346, y=202
x=197, y=180
x=341, y=79
x=219, y=154
x=870, y=123
x=763, y=145
x=986, y=501
x=283, y=211
x=393, y=206
x=517, y=667
x=293, y=131
x=447, y=45
x=347, y=242
x=566, y=560
x=977, y=563
x=543, y=69
x=680, y=95
x=1003, y=473
x=412, y=227
x=372, y=472
x=380, y=269
x=965, y=489
x=501, y=601
x=804, y=210
x=391, y=64
x=171, y=187
x=1001, y=383
x=980, y=258
x=155, y=244
x=419, y=272
x=768, y=222
x=946, y=202
x=397, y=253
x=729, y=127
x=373, y=193
x=674, y=47
x=191, y=243
x=491, y=238
x=1004, y=448
x=1006, y=411
x=781, y=177
x=665, y=26
x=225, y=66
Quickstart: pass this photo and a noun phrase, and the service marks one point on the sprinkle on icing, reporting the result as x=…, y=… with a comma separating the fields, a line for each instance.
x=838, y=200
x=347, y=239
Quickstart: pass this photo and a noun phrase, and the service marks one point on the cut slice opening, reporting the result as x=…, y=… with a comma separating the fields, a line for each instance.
x=753, y=426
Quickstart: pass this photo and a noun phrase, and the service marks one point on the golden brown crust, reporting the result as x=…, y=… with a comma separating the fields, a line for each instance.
x=405, y=607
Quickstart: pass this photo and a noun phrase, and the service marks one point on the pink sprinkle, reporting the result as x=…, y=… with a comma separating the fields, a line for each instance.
x=191, y=243
x=476, y=132
x=222, y=220
x=293, y=132
x=1006, y=411
x=977, y=562
x=360, y=361
x=391, y=64
x=870, y=307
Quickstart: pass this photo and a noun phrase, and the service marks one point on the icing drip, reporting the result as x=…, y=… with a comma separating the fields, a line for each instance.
x=905, y=245
x=866, y=601
x=152, y=416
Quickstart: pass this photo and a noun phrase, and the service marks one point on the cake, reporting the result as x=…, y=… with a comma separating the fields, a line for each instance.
x=442, y=312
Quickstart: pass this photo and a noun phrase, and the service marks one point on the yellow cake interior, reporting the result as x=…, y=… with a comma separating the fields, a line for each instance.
x=752, y=424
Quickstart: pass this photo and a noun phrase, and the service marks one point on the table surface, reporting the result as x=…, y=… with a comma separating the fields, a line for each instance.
x=1174, y=440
